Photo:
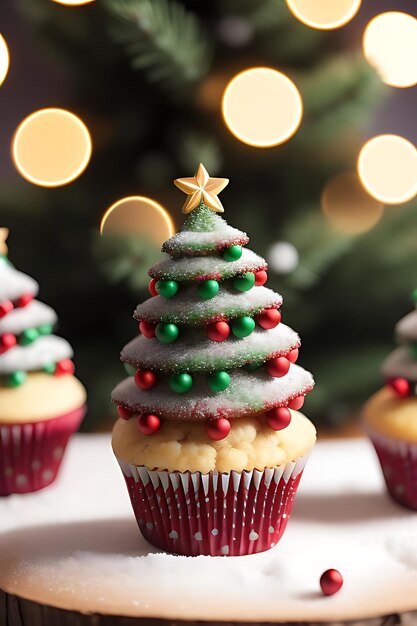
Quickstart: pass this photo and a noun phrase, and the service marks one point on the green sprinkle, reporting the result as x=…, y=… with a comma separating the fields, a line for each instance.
x=167, y=333
x=15, y=379
x=253, y=367
x=245, y=282
x=233, y=253
x=219, y=381
x=243, y=326
x=208, y=289
x=49, y=368
x=46, y=329
x=181, y=383
x=130, y=370
x=28, y=336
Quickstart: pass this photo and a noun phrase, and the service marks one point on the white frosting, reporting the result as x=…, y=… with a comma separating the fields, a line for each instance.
x=400, y=363
x=33, y=315
x=14, y=284
x=221, y=235
x=406, y=328
x=76, y=545
x=232, y=352
x=45, y=350
x=191, y=268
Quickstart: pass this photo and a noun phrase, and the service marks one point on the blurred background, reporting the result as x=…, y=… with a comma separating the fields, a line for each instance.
x=147, y=77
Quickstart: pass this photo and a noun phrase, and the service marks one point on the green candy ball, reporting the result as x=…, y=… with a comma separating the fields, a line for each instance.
x=46, y=329
x=28, y=336
x=233, y=253
x=181, y=383
x=208, y=289
x=130, y=370
x=167, y=288
x=15, y=379
x=253, y=367
x=219, y=381
x=243, y=326
x=167, y=333
x=49, y=368
x=244, y=282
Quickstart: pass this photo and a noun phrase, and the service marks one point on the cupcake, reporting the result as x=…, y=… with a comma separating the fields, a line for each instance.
x=209, y=439
x=390, y=415
x=41, y=402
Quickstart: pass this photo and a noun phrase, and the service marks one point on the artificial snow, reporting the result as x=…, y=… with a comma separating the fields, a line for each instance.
x=400, y=363
x=14, y=284
x=196, y=242
x=43, y=351
x=406, y=328
x=76, y=545
x=34, y=315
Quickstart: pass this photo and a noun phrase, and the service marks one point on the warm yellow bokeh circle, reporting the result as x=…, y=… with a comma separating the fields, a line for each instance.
x=347, y=205
x=262, y=107
x=138, y=215
x=324, y=14
x=4, y=59
x=387, y=167
x=51, y=147
x=73, y=3
x=390, y=46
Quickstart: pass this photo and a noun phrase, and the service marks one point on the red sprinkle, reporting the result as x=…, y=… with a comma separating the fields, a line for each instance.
x=296, y=403
x=6, y=307
x=293, y=355
x=279, y=418
x=331, y=581
x=145, y=379
x=401, y=386
x=24, y=300
x=218, y=429
x=219, y=331
x=7, y=341
x=64, y=367
x=278, y=367
x=270, y=318
x=124, y=413
x=147, y=329
x=152, y=287
x=260, y=278
x=149, y=424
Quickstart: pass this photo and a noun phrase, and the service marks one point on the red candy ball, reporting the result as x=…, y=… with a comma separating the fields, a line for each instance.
x=24, y=300
x=279, y=418
x=218, y=429
x=296, y=403
x=401, y=386
x=6, y=307
x=260, y=278
x=147, y=329
x=124, y=413
x=145, y=379
x=219, y=331
x=331, y=581
x=152, y=287
x=269, y=319
x=149, y=424
x=278, y=367
x=293, y=355
x=64, y=367
x=7, y=341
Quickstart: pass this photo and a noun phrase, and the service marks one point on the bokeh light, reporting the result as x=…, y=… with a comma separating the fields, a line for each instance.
x=283, y=257
x=73, y=3
x=262, y=107
x=390, y=46
x=348, y=207
x=4, y=59
x=51, y=147
x=324, y=14
x=138, y=215
x=387, y=167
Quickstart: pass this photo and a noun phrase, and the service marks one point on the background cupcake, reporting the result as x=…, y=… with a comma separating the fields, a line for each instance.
x=390, y=415
x=41, y=402
x=211, y=452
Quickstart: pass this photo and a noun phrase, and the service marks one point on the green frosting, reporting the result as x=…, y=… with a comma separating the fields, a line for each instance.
x=201, y=220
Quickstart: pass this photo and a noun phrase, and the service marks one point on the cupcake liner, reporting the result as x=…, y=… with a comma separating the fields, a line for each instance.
x=398, y=461
x=214, y=514
x=31, y=453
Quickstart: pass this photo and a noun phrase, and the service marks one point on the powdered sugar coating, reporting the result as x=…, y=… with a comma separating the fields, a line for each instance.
x=182, y=356
x=246, y=395
x=200, y=243
x=400, y=363
x=406, y=328
x=33, y=315
x=187, y=308
x=14, y=284
x=204, y=268
x=43, y=351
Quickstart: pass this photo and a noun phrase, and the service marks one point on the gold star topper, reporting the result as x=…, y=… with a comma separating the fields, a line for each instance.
x=202, y=188
x=4, y=233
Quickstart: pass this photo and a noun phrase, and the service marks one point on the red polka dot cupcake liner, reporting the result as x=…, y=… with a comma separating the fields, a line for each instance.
x=398, y=461
x=213, y=514
x=31, y=453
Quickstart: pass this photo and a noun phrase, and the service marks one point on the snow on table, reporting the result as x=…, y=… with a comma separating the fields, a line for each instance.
x=75, y=545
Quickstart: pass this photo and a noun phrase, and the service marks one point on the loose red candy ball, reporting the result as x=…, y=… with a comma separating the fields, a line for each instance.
x=7, y=341
x=219, y=331
x=24, y=300
x=401, y=386
x=149, y=424
x=147, y=329
x=64, y=367
x=145, y=379
x=293, y=355
x=152, y=287
x=218, y=429
x=279, y=418
x=278, y=367
x=269, y=319
x=296, y=403
x=6, y=307
x=331, y=581
x=260, y=278
x=124, y=413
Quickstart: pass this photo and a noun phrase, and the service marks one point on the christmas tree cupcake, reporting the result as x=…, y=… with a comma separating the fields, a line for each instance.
x=209, y=439
x=41, y=402
x=390, y=415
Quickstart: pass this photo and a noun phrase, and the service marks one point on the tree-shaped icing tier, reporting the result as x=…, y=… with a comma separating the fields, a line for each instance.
x=26, y=340
x=211, y=347
x=400, y=367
